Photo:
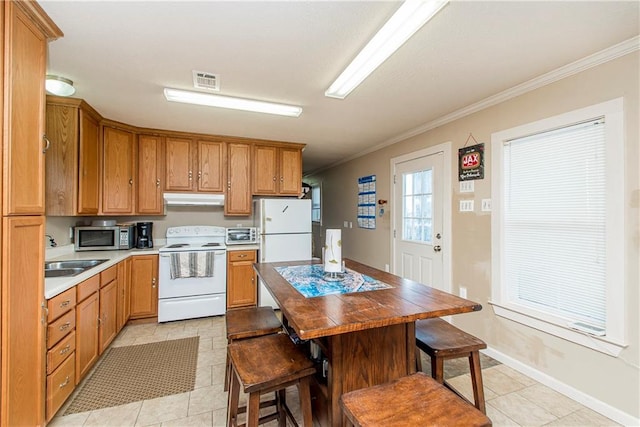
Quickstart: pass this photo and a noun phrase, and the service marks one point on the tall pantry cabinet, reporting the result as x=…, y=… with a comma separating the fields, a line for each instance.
x=25, y=29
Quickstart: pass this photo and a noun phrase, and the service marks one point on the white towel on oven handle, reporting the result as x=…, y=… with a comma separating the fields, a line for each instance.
x=191, y=264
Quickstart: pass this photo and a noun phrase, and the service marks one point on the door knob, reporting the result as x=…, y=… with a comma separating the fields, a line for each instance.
x=437, y=248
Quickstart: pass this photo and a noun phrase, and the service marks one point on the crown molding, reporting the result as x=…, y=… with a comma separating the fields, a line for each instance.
x=609, y=54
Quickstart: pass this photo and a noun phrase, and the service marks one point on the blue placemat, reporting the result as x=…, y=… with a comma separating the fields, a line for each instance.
x=309, y=281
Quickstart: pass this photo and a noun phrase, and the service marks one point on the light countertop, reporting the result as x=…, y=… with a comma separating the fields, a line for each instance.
x=56, y=285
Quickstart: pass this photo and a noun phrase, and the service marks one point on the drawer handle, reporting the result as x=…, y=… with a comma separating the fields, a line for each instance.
x=242, y=256
x=66, y=349
x=66, y=381
x=65, y=326
x=65, y=303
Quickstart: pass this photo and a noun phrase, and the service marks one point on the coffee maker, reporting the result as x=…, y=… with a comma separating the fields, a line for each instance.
x=144, y=233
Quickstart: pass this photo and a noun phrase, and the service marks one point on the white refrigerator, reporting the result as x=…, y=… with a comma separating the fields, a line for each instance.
x=285, y=235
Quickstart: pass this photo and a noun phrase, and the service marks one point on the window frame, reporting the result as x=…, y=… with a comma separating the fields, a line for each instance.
x=615, y=339
x=318, y=186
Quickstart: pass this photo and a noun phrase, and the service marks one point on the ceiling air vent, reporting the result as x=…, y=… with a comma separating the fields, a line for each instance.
x=203, y=80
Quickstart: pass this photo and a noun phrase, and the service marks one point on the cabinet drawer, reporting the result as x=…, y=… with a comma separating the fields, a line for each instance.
x=60, y=304
x=87, y=287
x=60, y=352
x=60, y=384
x=60, y=328
x=241, y=256
x=108, y=275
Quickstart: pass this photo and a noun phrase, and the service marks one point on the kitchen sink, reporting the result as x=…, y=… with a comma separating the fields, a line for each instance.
x=69, y=268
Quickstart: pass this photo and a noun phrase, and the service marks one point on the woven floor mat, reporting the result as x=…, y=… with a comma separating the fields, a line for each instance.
x=139, y=372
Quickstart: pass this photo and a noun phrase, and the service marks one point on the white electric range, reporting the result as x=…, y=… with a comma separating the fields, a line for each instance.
x=196, y=285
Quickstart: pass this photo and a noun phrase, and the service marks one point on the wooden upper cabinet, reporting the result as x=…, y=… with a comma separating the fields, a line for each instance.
x=150, y=162
x=24, y=70
x=277, y=170
x=195, y=165
x=179, y=164
x=73, y=162
x=238, y=198
x=211, y=172
x=117, y=173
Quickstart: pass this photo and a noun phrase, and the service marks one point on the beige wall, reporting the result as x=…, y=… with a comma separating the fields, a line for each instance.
x=613, y=381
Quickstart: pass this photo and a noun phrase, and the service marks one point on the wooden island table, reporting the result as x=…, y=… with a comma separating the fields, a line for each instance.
x=367, y=337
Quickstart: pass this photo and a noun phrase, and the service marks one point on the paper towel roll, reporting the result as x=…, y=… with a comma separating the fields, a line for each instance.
x=333, y=251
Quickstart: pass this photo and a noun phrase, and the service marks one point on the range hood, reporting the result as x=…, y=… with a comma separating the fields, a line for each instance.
x=193, y=199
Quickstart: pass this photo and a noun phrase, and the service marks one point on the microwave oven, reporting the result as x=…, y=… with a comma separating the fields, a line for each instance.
x=241, y=236
x=107, y=238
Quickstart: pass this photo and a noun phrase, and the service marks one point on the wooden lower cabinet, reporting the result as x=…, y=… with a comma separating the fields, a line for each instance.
x=87, y=313
x=123, y=302
x=144, y=286
x=241, y=279
x=108, y=328
x=23, y=322
x=61, y=346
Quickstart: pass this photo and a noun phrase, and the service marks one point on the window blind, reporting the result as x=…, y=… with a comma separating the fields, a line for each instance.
x=554, y=213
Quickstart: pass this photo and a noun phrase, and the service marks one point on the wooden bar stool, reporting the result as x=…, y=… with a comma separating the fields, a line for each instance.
x=246, y=323
x=441, y=341
x=414, y=400
x=263, y=365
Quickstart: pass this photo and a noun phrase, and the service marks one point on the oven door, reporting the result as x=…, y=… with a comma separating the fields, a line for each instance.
x=191, y=286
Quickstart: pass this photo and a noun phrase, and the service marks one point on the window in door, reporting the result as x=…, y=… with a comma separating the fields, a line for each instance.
x=417, y=206
x=558, y=246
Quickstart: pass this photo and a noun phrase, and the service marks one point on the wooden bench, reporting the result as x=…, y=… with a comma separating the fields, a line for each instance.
x=268, y=364
x=414, y=400
x=441, y=341
x=246, y=323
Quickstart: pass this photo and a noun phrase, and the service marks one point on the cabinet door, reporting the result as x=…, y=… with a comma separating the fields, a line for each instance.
x=24, y=72
x=62, y=160
x=241, y=279
x=238, y=199
x=179, y=164
x=108, y=317
x=117, y=179
x=265, y=161
x=124, y=293
x=211, y=166
x=87, y=313
x=89, y=165
x=23, y=321
x=144, y=286
x=290, y=169
x=149, y=165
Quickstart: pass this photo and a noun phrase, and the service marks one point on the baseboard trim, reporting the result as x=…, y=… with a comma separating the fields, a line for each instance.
x=590, y=402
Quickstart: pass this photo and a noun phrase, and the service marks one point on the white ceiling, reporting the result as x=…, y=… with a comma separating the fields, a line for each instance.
x=120, y=55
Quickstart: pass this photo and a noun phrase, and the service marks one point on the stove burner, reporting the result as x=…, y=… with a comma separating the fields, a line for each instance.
x=177, y=245
x=210, y=244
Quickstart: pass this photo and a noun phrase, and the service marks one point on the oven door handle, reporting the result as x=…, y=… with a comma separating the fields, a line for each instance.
x=168, y=255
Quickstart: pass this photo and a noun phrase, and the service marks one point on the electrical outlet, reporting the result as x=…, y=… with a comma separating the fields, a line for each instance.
x=486, y=205
x=345, y=224
x=70, y=232
x=467, y=186
x=350, y=224
x=466, y=205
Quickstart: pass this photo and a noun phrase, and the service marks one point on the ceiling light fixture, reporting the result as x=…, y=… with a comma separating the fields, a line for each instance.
x=211, y=100
x=408, y=19
x=60, y=86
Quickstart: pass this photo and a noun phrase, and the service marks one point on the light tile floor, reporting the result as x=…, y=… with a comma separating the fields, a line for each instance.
x=512, y=399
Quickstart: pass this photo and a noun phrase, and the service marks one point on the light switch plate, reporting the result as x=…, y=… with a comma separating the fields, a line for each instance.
x=466, y=205
x=467, y=186
x=486, y=205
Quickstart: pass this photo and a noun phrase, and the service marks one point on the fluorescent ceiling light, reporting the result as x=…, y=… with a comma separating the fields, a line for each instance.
x=211, y=100
x=60, y=86
x=408, y=19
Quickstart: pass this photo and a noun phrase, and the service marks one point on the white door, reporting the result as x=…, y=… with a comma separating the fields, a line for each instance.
x=418, y=219
x=285, y=216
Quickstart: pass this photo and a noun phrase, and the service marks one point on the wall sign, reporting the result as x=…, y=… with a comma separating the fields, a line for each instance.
x=471, y=162
x=367, y=202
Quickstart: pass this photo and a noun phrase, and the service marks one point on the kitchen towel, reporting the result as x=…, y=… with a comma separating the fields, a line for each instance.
x=333, y=251
x=191, y=264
